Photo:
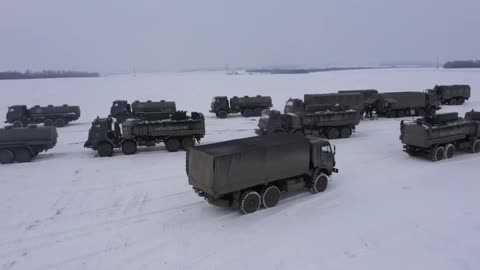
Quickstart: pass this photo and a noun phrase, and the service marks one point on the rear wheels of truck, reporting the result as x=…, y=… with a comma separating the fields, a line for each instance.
x=172, y=145
x=438, y=153
x=449, y=150
x=476, y=146
x=345, y=132
x=6, y=156
x=105, y=150
x=248, y=113
x=23, y=155
x=257, y=112
x=60, y=122
x=129, y=147
x=332, y=133
x=187, y=142
x=17, y=124
x=250, y=201
x=460, y=100
x=48, y=123
x=222, y=114
x=453, y=101
x=270, y=196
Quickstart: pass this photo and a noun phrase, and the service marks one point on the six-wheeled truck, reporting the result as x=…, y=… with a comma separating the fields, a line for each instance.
x=440, y=136
x=178, y=132
x=334, y=122
x=401, y=104
x=59, y=116
x=121, y=110
x=452, y=94
x=247, y=106
x=22, y=144
x=316, y=102
x=252, y=172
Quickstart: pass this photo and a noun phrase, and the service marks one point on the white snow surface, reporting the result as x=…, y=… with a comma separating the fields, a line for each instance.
x=70, y=209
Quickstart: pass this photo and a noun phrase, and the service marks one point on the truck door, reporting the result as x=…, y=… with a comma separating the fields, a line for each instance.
x=327, y=157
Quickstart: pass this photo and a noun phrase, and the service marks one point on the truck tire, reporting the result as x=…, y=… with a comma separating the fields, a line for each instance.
x=17, y=124
x=222, y=114
x=257, y=112
x=105, y=150
x=60, y=122
x=438, y=153
x=172, y=145
x=453, y=101
x=23, y=155
x=332, y=133
x=270, y=196
x=345, y=132
x=248, y=113
x=319, y=183
x=250, y=201
x=476, y=146
x=48, y=123
x=449, y=150
x=432, y=111
x=6, y=156
x=129, y=147
x=187, y=142
x=460, y=100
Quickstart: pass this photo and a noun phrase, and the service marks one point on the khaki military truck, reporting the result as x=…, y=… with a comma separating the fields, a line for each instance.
x=249, y=173
x=59, y=116
x=178, y=132
x=331, y=122
x=22, y=144
x=452, y=94
x=121, y=110
x=316, y=102
x=440, y=136
x=401, y=104
x=247, y=106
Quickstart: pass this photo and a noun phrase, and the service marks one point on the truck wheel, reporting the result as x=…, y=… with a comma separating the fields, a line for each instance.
x=270, y=196
x=172, y=145
x=129, y=147
x=449, y=150
x=438, y=153
x=257, y=112
x=476, y=146
x=453, y=101
x=320, y=183
x=250, y=202
x=248, y=113
x=332, y=133
x=6, y=156
x=23, y=155
x=105, y=150
x=460, y=100
x=17, y=124
x=222, y=114
x=432, y=111
x=59, y=122
x=345, y=132
x=48, y=123
x=187, y=142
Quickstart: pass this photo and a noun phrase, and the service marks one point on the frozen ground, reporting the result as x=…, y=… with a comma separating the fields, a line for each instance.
x=72, y=210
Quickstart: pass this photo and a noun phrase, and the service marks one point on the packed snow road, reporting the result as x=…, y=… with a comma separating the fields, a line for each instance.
x=69, y=209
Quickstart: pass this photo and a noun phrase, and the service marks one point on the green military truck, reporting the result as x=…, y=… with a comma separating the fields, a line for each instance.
x=121, y=110
x=440, y=136
x=59, y=116
x=316, y=102
x=178, y=132
x=401, y=104
x=22, y=144
x=452, y=94
x=247, y=106
x=249, y=173
x=331, y=122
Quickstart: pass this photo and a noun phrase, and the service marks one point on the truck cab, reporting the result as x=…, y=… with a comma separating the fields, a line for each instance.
x=294, y=105
x=270, y=122
x=322, y=156
x=103, y=132
x=219, y=103
x=17, y=113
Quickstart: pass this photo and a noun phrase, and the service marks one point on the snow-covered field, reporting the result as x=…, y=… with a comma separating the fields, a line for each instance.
x=384, y=210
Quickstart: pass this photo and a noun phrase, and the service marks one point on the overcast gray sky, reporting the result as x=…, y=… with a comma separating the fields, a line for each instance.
x=117, y=35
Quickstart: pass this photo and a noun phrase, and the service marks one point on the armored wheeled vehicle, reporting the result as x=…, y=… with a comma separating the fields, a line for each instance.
x=440, y=136
x=252, y=172
x=121, y=110
x=59, y=116
x=178, y=132
x=22, y=144
x=247, y=106
x=452, y=94
x=401, y=104
x=332, y=122
x=317, y=102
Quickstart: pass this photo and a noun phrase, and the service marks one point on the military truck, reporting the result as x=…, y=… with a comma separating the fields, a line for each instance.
x=370, y=97
x=334, y=122
x=247, y=106
x=401, y=104
x=440, y=136
x=121, y=110
x=316, y=102
x=22, y=144
x=452, y=94
x=59, y=116
x=178, y=132
x=249, y=173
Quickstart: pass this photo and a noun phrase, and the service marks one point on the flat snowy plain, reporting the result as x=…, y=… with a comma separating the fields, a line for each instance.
x=70, y=209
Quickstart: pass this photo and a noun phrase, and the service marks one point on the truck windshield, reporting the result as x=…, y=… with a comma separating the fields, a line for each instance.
x=265, y=115
x=11, y=110
x=327, y=149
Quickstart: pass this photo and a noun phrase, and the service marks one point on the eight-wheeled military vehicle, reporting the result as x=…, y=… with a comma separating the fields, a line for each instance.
x=252, y=172
x=247, y=106
x=59, y=116
x=441, y=135
x=178, y=132
x=21, y=144
x=121, y=110
x=401, y=104
x=331, y=122
x=452, y=94
x=316, y=102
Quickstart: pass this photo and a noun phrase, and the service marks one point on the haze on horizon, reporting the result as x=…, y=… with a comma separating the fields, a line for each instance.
x=117, y=36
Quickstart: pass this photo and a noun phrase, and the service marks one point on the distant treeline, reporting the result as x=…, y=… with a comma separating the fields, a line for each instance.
x=15, y=75
x=301, y=70
x=462, y=64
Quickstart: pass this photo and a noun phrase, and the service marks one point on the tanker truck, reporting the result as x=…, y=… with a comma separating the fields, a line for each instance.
x=22, y=144
x=401, y=104
x=248, y=173
x=121, y=110
x=316, y=102
x=440, y=136
x=452, y=94
x=59, y=116
x=247, y=106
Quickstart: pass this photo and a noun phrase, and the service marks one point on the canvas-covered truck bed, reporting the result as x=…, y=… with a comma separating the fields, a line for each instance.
x=354, y=100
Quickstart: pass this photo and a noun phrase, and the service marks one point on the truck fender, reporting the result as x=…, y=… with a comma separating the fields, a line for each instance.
x=121, y=142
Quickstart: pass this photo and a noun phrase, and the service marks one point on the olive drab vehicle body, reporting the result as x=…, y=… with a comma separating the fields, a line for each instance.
x=246, y=173
x=316, y=102
x=121, y=110
x=400, y=104
x=22, y=144
x=59, y=116
x=178, y=132
x=370, y=96
x=247, y=106
x=452, y=94
x=331, y=122
x=440, y=136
